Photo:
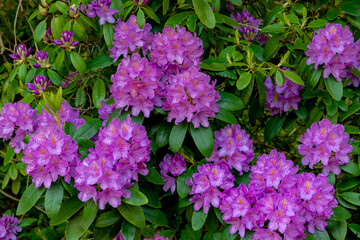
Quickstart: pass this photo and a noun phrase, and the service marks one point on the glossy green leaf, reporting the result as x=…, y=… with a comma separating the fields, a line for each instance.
x=101, y=61
x=127, y=230
x=204, y=12
x=294, y=77
x=154, y=177
x=351, y=197
x=337, y=229
x=108, y=34
x=334, y=87
x=39, y=31
x=137, y=198
x=55, y=78
x=176, y=19
x=351, y=168
x=88, y=129
x=355, y=228
x=230, y=101
x=140, y=18
x=53, y=198
x=191, y=22
x=340, y=214
x=226, y=116
x=177, y=136
x=98, y=93
x=198, y=220
x=77, y=226
x=107, y=218
x=68, y=208
x=204, y=139
x=29, y=198
x=78, y=62
x=155, y=216
x=273, y=126
x=163, y=134
x=133, y=214
x=89, y=209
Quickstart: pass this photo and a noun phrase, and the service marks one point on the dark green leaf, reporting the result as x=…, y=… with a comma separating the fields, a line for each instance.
x=273, y=126
x=203, y=138
x=332, y=13
x=162, y=136
x=204, y=12
x=270, y=17
x=107, y=218
x=177, y=19
x=236, y=2
x=215, y=66
x=351, y=168
x=88, y=129
x=353, y=109
x=348, y=184
x=108, y=34
x=226, y=234
x=39, y=31
x=53, y=199
x=334, y=87
x=59, y=60
x=99, y=62
x=314, y=78
x=177, y=136
x=89, y=209
x=137, y=198
x=78, y=62
x=29, y=198
x=98, y=93
x=355, y=228
x=350, y=9
x=9, y=155
x=243, y=81
x=127, y=230
x=340, y=214
x=273, y=28
x=165, y=5
x=226, y=116
x=272, y=46
x=198, y=220
x=133, y=214
x=79, y=97
x=351, y=197
x=151, y=14
x=317, y=23
x=154, y=177
x=55, y=78
x=155, y=216
x=352, y=129
x=230, y=102
x=84, y=145
x=68, y=208
x=77, y=226
x=337, y=229
x=191, y=22
x=181, y=187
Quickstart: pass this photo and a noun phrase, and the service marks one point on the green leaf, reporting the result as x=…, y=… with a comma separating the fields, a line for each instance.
x=226, y=116
x=107, y=218
x=62, y=7
x=181, y=187
x=29, y=198
x=57, y=25
x=155, y=216
x=320, y=235
x=337, y=229
x=273, y=126
x=332, y=13
x=279, y=77
x=350, y=9
x=53, y=199
x=314, y=78
x=191, y=23
x=67, y=209
x=140, y=18
x=39, y=31
x=89, y=209
x=78, y=62
x=334, y=87
x=77, y=225
x=22, y=72
x=137, y=198
x=101, y=61
x=352, y=110
x=98, y=93
x=270, y=17
x=133, y=214
x=198, y=220
x=352, y=129
x=226, y=234
x=151, y=14
x=127, y=230
x=340, y=214
x=69, y=129
x=165, y=5
x=154, y=177
x=79, y=97
x=351, y=168
x=272, y=46
x=351, y=197
x=88, y=129
x=177, y=136
x=230, y=102
x=9, y=155
x=176, y=19
x=348, y=184
x=108, y=34
x=243, y=81
x=204, y=12
x=55, y=78
x=215, y=66
x=273, y=28
x=355, y=228
x=236, y=2
x=13, y=172
x=294, y=77
x=319, y=23
x=59, y=60
x=203, y=138
x=84, y=145
x=163, y=134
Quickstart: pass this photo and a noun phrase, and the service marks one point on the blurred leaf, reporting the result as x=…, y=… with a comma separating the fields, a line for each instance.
x=155, y=216
x=78, y=62
x=165, y=4
x=352, y=129
x=273, y=28
x=69, y=129
x=107, y=218
x=337, y=229
x=53, y=199
x=279, y=77
x=79, y=97
x=351, y=168
x=154, y=176
x=294, y=77
x=163, y=134
x=68, y=208
x=270, y=17
x=108, y=34
x=355, y=228
x=133, y=214
x=351, y=197
x=176, y=19
x=140, y=18
x=243, y=81
x=62, y=7
x=230, y=101
x=181, y=187
x=340, y=214
x=137, y=198
x=198, y=220
x=215, y=66
x=77, y=225
x=88, y=129
x=203, y=138
x=127, y=230
x=318, y=23
x=314, y=78
x=204, y=12
x=98, y=93
x=89, y=209
x=39, y=31
x=177, y=136
x=334, y=87
x=353, y=109
x=273, y=126
x=350, y=9
x=151, y=14
x=55, y=78
x=9, y=155
x=59, y=60
x=29, y=198
x=191, y=22
x=332, y=13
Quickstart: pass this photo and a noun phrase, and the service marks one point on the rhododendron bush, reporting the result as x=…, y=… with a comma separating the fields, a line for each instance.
x=181, y=119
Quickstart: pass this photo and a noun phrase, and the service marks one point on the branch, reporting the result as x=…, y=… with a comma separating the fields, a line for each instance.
x=16, y=16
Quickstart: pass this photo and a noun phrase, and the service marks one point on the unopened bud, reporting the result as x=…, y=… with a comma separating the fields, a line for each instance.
x=44, y=3
x=43, y=11
x=74, y=11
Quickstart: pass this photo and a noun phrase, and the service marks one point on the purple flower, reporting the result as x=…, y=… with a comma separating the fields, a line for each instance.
x=156, y=235
x=261, y=234
x=176, y=166
x=42, y=59
x=105, y=111
x=134, y=84
x=66, y=41
x=40, y=84
x=48, y=37
x=287, y=95
x=101, y=9
x=74, y=11
x=334, y=47
x=9, y=227
x=175, y=49
x=326, y=143
x=141, y=1
x=190, y=95
x=120, y=154
x=250, y=27
x=21, y=53
x=129, y=37
x=207, y=183
x=233, y=147
x=20, y=116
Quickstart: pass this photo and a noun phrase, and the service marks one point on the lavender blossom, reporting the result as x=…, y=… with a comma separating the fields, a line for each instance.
x=171, y=165
x=40, y=84
x=9, y=227
x=42, y=59
x=101, y=9
x=66, y=41
x=21, y=53
x=48, y=37
x=249, y=30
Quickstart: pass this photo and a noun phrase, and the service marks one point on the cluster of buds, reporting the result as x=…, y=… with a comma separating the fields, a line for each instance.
x=42, y=59
x=66, y=41
x=41, y=83
x=44, y=8
x=21, y=53
x=74, y=12
x=48, y=37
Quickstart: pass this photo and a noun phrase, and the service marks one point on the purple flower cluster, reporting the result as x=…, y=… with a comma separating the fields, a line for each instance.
x=191, y=95
x=207, y=183
x=9, y=227
x=233, y=147
x=66, y=114
x=66, y=41
x=101, y=9
x=105, y=111
x=249, y=29
x=334, y=47
x=120, y=154
x=21, y=53
x=41, y=83
x=328, y=143
x=287, y=96
x=175, y=49
x=19, y=116
x=129, y=37
x=175, y=165
x=157, y=237
x=278, y=202
x=134, y=84
x=48, y=37
x=42, y=59
x=49, y=154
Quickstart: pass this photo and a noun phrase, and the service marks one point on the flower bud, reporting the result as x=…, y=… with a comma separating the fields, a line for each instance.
x=43, y=11
x=74, y=12
x=44, y=4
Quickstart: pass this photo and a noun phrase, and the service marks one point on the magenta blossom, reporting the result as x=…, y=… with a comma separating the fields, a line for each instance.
x=171, y=165
x=48, y=37
x=42, y=59
x=21, y=53
x=40, y=84
x=101, y=9
x=9, y=227
x=66, y=41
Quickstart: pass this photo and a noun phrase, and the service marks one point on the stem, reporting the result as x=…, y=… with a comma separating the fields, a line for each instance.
x=16, y=16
